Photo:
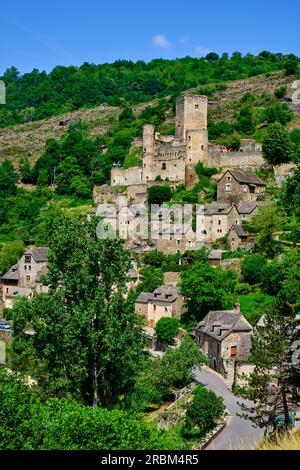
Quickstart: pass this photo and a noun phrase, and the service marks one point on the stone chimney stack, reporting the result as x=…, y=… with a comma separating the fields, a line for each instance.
x=237, y=307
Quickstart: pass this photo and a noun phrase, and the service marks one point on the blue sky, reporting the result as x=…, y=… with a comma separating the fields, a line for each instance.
x=35, y=34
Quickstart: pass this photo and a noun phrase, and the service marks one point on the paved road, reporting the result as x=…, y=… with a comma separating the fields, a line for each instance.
x=239, y=433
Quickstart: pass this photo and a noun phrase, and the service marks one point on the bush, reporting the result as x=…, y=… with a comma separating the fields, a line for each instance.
x=253, y=268
x=166, y=329
x=204, y=411
x=277, y=147
x=159, y=194
x=280, y=92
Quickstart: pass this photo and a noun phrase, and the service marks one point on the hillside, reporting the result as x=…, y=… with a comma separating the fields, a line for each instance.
x=27, y=140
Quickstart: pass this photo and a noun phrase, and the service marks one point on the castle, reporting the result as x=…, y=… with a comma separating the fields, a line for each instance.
x=171, y=157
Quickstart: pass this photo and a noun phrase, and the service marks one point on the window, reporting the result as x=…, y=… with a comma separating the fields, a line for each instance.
x=25, y=267
x=245, y=188
x=27, y=258
x=163, y=167
x=228, y=187
x=233, y=351
x=202, y=147
x=166, y=309
x=228, y=178
x=219, y=222
x=196, y=106
x=178, y=242
x=27, y=278
x=154, y=307
x=189, y=137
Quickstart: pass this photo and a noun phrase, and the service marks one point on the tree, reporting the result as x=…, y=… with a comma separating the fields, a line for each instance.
x=253, y=268
x=279, y=112
x=151, y=279
x=280, y=92
x=206, y=288
x=166, y=329
x=154, y=258
x=159, y=194
x=204, y=411
x=26, y=423
x=212, y=57
x=10, y=253
x=8, y=179
x=269, y=386
x=290, y=194
x=277, y=147
x=265, y=224
x=74, y=349
x=163, y=375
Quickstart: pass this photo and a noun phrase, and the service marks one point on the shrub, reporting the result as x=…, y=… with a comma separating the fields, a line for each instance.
x=166, y=329
x=204, y=411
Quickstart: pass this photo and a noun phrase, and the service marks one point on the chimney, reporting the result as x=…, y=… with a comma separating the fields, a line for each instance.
x=237, y=306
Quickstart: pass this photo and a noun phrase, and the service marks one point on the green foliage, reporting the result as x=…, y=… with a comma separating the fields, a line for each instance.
x=38, y=95
x=166, y=374
x=77, y=322
x=133, y=158
x=265, y=224
x=9, y=254
x=254, y=305
x=280, y=112
x=66, y=425
x=280, y=92
x=204, y=411
x=166, y=329
x=8, y=179
x=253, y=268
x=159, y=194
x=277, y=147
x=151, y=279
x=206, y=288
x=290, y=194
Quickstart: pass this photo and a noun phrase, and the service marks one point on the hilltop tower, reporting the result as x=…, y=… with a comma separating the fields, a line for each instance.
x=191, y=130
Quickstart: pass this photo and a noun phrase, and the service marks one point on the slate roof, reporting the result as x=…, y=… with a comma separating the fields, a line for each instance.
x=246, y=207
x=215, y=254
x=18, y=292
x=39, y=254
x=133, y=273
x=165, y=293
x=246, y=178
x=219, y=323
x=216, y=208
x=12, y=274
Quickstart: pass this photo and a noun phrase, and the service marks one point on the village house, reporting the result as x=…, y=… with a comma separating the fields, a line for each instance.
x=225, y=337
x=215, y=220
x=165, y=301
x=248, y=209
x=25, y=278
x=239, y=239
x=236, y=185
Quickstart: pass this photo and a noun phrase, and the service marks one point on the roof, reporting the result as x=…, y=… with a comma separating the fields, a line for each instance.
x=219, y=323
x=246, y=178
x=12, y=274
x=164, y=293
x=39, y=254
x=133, y=273
x=215, y=254
x=215, y=208
x=247, y=207
x=239, y=230
x=144, y=297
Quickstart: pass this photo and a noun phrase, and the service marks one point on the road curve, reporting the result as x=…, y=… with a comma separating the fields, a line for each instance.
x=239, y=434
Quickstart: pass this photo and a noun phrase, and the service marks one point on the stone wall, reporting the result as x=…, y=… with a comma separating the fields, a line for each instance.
x=124, y=177
x=241, y=160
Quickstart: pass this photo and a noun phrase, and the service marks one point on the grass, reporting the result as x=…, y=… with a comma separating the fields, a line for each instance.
x=290, y=441
x=253, y=305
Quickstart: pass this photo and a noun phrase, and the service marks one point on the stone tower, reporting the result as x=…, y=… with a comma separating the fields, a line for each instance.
x=191, y=129
x=148, y=152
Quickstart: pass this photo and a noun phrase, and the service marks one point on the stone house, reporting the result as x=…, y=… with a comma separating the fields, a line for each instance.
x=246, y=209
x=239, y=239
x=236, y=185
x=215, y=220
x=225, y=337
x=25, y=278
x=165, y=301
